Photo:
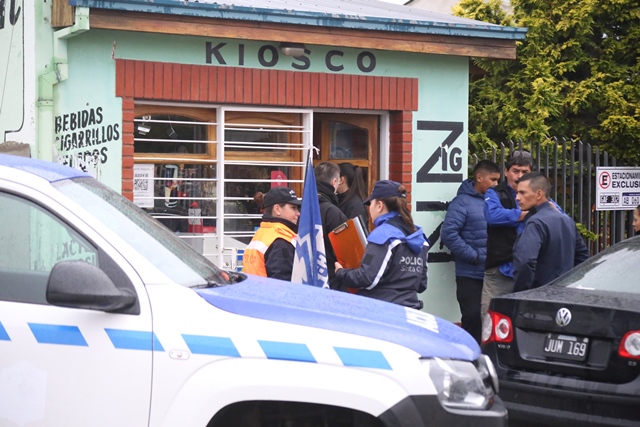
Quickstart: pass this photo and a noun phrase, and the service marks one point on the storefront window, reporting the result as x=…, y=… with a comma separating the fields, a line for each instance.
x=179, y=163
x=175, y=171
x=251, y=137
x=164, y=134
x=242, y=183
x=183, y=192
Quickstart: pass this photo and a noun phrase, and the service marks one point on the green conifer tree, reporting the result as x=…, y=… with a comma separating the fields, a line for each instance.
x=576, y=75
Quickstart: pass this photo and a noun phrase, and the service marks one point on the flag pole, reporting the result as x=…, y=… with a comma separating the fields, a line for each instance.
x=310, y=261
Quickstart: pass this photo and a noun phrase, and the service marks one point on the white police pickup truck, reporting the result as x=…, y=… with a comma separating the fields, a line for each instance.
x=108, y=319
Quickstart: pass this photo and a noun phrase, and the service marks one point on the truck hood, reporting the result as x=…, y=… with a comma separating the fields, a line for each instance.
x=279, y=301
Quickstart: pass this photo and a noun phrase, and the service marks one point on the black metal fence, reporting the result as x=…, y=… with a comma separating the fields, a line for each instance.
x=571, y=168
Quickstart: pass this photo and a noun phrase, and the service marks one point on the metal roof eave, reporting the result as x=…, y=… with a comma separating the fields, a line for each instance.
x=281, y=16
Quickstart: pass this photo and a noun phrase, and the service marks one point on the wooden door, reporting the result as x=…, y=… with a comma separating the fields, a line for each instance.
x=352, y=138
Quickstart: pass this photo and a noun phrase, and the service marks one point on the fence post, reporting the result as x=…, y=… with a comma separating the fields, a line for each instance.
x=564, y=174
x=580, y=183
x=537, y=151
x=589, y=180
x=606, y=222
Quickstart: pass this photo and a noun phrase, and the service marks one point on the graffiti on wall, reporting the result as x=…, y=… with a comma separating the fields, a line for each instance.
x=12, y=69
x=83, y=139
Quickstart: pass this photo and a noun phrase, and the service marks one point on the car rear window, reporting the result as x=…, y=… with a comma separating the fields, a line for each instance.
x=615, y=270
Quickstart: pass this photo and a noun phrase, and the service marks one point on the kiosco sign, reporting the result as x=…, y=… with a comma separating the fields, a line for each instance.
x=617, y=188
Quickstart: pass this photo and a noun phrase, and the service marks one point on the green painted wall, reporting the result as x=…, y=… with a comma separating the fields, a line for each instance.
x=12, y=88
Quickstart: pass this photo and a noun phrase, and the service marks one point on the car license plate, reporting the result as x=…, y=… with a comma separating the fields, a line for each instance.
x=566, y=347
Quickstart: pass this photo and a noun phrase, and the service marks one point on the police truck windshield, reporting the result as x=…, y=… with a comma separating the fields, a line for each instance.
x=149, y=237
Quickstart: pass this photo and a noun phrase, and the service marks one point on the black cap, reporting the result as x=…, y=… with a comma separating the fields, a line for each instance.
x=279, y=195
x=384, y=189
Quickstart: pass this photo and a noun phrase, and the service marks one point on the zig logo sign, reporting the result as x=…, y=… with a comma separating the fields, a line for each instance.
x=443, y=165
x=446, y=157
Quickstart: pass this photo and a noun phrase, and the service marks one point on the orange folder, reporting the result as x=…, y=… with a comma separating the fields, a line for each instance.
x=349, y=241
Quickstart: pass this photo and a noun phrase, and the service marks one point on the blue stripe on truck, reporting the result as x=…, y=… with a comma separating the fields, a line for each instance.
x=200, y=344
x=217, y=346
x=4, y=336
x=286, y=351
x=362, y=358
x=57, y=334
x=134, y=340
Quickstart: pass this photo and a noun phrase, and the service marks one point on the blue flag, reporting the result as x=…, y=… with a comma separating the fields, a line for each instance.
x=310, y=262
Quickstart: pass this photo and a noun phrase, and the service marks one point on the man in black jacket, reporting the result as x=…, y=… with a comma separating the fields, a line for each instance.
x=550, y=243
x=327, y=178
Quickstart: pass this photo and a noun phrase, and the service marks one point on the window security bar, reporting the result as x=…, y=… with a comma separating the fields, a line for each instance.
x=175, y=122
x=180, y=160
x=262, y=180
x=263, y=163
x=238, y=126
x=260, y=145
x=188, y=141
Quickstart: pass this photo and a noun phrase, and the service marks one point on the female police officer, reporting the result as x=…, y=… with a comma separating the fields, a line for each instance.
x=271, y=251
x=394, y=265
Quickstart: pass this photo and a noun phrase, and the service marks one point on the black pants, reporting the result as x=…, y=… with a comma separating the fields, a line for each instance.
x=469, y=294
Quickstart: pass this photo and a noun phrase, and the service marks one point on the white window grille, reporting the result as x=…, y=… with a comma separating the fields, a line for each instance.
x=205, y=175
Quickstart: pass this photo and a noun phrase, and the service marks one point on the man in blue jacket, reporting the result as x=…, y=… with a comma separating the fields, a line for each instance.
x=465, y=233
x=550, y=243
x=505, y=220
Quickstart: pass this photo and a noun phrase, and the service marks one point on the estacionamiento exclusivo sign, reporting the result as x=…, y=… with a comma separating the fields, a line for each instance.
x=617, y=188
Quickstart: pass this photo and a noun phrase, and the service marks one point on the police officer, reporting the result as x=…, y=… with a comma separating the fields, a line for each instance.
x=394, y=265
x=270, y=253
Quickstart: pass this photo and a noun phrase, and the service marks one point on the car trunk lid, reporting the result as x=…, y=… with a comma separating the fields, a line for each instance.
x=578, y=339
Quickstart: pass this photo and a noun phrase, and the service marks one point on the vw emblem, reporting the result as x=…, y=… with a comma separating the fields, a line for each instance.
x=563, y=318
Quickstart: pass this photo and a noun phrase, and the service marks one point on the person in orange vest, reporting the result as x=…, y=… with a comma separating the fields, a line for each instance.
x=271, y=251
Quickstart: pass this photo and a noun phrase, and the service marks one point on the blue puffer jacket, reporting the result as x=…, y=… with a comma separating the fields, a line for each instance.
x=465, y=231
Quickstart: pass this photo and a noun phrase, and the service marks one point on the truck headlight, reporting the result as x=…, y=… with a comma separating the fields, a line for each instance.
x=460, y=384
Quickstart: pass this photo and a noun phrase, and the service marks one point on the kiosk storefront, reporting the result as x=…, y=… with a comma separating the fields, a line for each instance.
x=190, y=108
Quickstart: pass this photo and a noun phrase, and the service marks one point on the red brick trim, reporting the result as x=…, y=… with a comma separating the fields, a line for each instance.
x=203, y=83
x=127, y=147
x=400, y=148
x=235, y=85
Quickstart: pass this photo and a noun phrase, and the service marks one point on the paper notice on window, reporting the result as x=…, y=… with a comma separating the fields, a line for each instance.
x=143, y=185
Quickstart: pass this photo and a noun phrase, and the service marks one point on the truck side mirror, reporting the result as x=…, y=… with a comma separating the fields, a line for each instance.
x=78, y=284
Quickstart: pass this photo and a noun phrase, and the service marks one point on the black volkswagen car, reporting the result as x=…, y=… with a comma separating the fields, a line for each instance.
x=568, y=353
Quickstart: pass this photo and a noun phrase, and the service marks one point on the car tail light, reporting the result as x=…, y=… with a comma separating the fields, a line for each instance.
x=496, y=328
x=630, y=345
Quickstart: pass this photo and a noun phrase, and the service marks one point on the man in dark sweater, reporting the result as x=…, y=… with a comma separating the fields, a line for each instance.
x=550, y=243
x=327, y=178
